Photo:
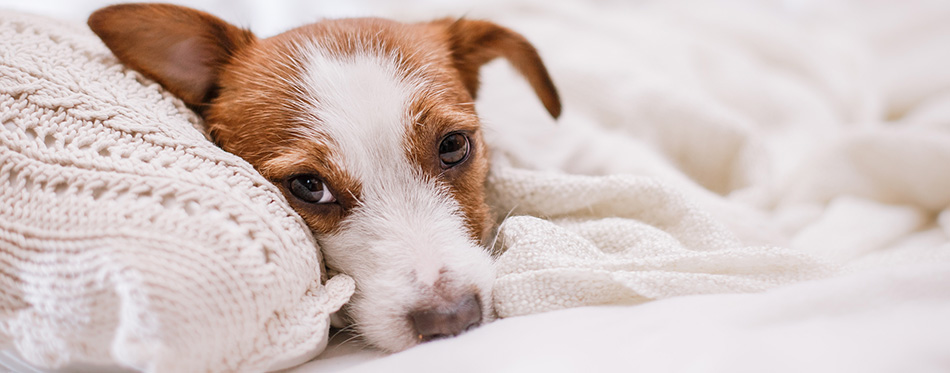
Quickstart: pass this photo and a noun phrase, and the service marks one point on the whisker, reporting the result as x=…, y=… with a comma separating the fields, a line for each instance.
x=494, y=240
x=345, y=329
x=354, y=334
x=352, y=338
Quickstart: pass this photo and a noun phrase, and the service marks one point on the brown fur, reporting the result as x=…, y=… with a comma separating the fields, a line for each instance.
x=240, y=86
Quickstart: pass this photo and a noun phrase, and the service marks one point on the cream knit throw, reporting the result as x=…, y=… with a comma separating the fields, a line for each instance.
x=128, y=238
x=620, y=239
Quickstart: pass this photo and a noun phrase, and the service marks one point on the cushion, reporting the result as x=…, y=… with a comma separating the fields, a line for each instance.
x=126, y=236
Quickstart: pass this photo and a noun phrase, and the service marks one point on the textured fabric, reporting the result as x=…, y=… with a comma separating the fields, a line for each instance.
x=126, y=237
x=620, y=239
x=774, y=146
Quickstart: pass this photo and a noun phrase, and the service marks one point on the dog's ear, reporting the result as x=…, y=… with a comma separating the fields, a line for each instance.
x=474, y=43
x=181, y=48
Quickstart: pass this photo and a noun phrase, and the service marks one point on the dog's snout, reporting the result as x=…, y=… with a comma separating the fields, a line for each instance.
x=441, y=322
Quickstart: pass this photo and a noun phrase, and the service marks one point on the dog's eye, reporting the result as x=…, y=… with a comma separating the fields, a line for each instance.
x=310, y=189
x=453, y=149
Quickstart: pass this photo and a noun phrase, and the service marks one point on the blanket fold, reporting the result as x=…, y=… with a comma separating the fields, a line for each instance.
x=620, y=239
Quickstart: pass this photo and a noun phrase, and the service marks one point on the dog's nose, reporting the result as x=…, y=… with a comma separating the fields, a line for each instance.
x=441, y=322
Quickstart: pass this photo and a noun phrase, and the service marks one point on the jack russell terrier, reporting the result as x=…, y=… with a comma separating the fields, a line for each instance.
x=369, y=129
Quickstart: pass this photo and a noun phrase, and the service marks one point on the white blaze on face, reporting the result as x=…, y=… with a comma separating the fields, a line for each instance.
x=408, y=232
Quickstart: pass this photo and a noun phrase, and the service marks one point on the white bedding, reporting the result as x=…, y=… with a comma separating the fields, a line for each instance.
x=816, y=127
x=819, y=128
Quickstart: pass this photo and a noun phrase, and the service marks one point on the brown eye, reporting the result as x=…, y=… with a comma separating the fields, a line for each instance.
x=310, y=189
x=453, y=149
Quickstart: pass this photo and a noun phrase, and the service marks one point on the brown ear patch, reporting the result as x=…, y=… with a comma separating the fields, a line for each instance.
x=181, y=48
x=474, y=43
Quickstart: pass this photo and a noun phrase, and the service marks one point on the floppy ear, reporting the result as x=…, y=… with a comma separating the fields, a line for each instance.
x=475, y=43
x=181, y=48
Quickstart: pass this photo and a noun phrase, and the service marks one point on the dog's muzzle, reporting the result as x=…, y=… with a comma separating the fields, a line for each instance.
x=447, y=321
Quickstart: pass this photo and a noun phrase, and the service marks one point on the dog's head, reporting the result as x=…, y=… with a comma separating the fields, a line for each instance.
x=368, y=127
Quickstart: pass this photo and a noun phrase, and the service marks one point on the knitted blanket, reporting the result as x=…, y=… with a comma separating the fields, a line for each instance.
x=620, y=239
x=126, y=237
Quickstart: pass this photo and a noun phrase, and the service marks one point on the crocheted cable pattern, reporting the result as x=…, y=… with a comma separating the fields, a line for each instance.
x=126, y=237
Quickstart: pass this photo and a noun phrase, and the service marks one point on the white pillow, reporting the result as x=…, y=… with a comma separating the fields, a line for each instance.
x=126, y=237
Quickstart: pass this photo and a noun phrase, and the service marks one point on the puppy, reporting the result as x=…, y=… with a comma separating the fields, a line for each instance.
x=368, y=127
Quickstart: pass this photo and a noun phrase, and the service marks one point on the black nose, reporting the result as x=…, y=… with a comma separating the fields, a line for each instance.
x=441, y=322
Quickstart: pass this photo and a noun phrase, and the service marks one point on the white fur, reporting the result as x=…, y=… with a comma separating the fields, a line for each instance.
x=408, y=232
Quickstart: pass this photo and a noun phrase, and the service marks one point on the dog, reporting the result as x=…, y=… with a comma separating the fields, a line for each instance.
x=368, y=128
